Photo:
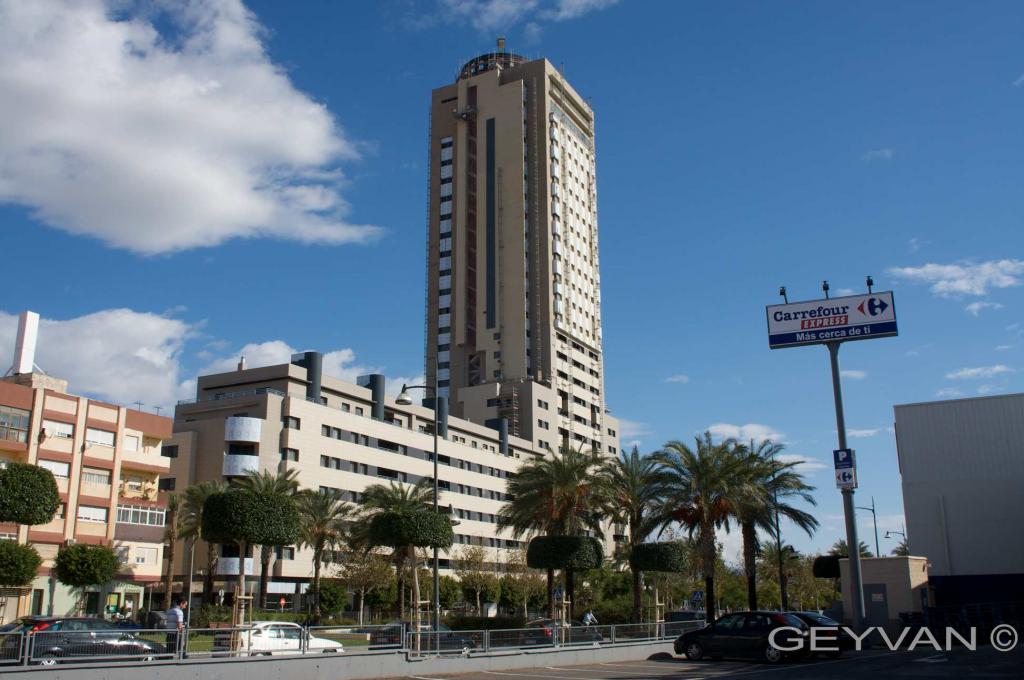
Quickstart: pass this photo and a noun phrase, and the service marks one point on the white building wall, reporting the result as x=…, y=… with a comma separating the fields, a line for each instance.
x=962, y=464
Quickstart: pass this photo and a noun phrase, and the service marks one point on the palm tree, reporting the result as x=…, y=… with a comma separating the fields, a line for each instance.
x=771, y=482
x=902, y=549
x=401, y=499
x=557, y=496
x=323, y=519
x=269, y=484
x=840, y=549
x=190, y=526
x=633, y=488
x=707, y=482
x=171, y=535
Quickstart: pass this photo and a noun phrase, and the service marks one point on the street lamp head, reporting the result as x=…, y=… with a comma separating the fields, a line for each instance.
x=403, y=399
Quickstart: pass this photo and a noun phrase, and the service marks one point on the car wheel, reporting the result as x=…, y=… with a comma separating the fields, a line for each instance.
x=328, y=651
x=149, y=658
x=694, y=651
x=772, y=654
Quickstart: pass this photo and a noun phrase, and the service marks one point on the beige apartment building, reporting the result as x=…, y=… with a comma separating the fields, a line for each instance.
x=107, y=463
x=514, y=289
x=340, y=437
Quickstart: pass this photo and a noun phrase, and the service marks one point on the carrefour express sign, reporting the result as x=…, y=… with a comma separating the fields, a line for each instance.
x=856, y=317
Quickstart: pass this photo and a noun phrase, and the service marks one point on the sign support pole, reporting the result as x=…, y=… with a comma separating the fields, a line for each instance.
x=849, y=511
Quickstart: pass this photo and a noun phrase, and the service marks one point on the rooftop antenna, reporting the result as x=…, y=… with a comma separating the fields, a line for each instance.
x=871, y=282
x=138, y=404
x=824, y=287
x=157, y=409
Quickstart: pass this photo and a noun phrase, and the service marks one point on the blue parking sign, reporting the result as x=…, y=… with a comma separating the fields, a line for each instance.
x=844, y=459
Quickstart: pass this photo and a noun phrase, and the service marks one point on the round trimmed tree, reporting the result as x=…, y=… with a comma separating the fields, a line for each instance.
x=669, y=556
x=28, y=494
x=82, y=565
x=18, y=565
x=568, y=553
x=245, y=517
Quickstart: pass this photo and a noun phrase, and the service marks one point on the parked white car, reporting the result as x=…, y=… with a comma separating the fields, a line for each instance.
x=280, y=637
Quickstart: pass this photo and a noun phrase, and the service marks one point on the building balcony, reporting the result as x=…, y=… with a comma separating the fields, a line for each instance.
x=240, y=466
x=147, y=491
x=243, y=429
x=228, y=566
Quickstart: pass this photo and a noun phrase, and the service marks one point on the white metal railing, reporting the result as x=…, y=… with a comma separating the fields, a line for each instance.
x=103, y=645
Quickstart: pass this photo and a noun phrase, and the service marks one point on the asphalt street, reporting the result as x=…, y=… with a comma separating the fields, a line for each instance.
x=877, y=664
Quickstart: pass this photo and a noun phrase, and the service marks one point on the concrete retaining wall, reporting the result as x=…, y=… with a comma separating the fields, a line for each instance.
x=342, y=667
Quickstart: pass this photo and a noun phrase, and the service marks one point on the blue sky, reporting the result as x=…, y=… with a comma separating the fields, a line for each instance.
x=177, y=185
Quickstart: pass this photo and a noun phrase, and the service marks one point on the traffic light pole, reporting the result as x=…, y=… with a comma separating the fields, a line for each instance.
x=849, y=510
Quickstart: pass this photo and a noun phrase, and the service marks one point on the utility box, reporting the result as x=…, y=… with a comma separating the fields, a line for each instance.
x=892, y=586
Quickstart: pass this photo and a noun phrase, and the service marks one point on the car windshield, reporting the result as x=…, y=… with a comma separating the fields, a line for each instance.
x=794, y=621
x=821, y=619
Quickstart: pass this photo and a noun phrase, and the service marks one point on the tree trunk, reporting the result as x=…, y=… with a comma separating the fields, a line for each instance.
x=551, y=593
x=638, y=587
x=241, y=578
x=707, y=539
x=570, y=590
x=169, y=576
x=750, y=562
x=400, y=575
x=266, y=552
x=211, y=566
x=317, y=556
x=362, y=599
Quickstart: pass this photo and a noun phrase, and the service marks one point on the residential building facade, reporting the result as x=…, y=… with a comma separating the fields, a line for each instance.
x=107, y=464
x=339, y=437
x=513, y=309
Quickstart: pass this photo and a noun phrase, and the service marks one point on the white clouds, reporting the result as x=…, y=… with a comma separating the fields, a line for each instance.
x=975, y=308
x=564, y=10
x=949, y=392
x=804, y=465
x=954, y=280
x=745, y=433
x=158, y=142
x=987, y=389
x=1019, y=81
x=1003, y=348
x=885, y=154
x=118, y=355
x=678, y=378
x=915, y=244
x=843, y=292
x=853, y=374
x=979, y=372
x=862, y=433
x=633, y=430
x=491, y=15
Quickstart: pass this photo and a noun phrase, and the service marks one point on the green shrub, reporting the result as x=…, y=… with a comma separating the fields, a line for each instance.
x=576, y=553
x=18, y=564
x=28, y=494
x=333, y=596
x=83, y=565
x=668, y=556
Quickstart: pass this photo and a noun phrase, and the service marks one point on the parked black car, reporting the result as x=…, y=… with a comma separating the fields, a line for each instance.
x=816, y=620
x=744, y=634
x=555, y=631
x=444, y=639
x=70, y=638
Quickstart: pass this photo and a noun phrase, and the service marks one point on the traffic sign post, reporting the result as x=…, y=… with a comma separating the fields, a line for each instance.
x=831, y=322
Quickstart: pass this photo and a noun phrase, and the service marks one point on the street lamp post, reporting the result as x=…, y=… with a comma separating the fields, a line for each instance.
x=874, y=518
x=405, y=400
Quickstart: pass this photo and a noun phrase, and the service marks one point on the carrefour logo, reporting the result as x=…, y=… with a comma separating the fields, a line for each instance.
x=874, y=306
